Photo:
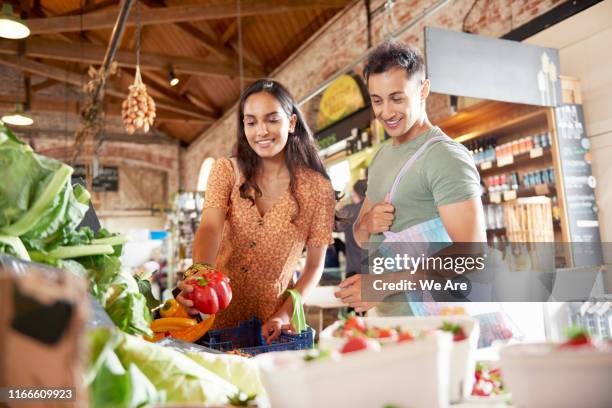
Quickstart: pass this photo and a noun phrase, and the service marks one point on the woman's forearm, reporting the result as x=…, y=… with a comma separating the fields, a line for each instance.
x=309, y=279
x=208, y=237
x=205, y=246
x=305, y=284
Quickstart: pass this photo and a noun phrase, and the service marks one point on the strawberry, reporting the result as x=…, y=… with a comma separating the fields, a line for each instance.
x=385, y=333
x=355, y=323
x=455, y=329
x=483, y=388
x=576, y=337
x=405, y=336
x=360, y=343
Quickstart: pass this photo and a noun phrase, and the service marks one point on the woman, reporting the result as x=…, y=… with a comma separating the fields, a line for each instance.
x=274, y=199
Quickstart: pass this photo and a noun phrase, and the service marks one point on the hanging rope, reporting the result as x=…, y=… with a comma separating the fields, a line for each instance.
x=240, y=56
x=138, y=110
x=90, y=114
x=138, y=78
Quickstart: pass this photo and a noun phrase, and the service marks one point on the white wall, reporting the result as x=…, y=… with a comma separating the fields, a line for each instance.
x=585, y=52
x=125, y=221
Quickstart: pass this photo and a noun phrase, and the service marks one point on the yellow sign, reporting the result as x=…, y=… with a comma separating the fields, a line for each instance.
x=341, y=98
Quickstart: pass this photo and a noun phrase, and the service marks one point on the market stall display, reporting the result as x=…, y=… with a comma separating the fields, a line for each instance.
x=564, y=374
x=389, y=330
x=398, y=373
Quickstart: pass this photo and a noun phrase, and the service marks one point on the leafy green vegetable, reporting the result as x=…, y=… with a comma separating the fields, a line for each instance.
x=144, y=286
x=175, y=375
x=113, y=240
x=43, y=203
x=140, y=373
x=81, y=250
x=111, y=384
x=239, y=371
x=14, y=246
x=241, y=399
x=130, y=314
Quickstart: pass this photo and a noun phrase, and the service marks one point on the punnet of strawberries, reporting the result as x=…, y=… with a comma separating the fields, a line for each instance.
x=487, y=382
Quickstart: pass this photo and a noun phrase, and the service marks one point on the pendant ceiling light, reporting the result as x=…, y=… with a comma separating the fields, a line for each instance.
x=17, y=117
x=11, y=26
x=172, y=78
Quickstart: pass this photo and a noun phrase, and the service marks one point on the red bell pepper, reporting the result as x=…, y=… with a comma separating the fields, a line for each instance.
x=211, y=292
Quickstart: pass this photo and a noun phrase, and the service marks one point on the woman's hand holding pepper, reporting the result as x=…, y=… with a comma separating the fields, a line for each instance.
x=186, y=289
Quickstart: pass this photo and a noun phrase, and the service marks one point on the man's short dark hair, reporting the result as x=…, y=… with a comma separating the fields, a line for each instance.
x=391, y=54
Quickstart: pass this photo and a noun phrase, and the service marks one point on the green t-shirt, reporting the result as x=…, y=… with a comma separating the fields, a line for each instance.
x=444, y=174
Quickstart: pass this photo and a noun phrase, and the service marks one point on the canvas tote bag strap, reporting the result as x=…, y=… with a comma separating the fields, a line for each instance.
x=410, y=162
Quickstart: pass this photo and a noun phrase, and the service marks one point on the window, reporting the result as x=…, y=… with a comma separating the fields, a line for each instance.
x=204, y=173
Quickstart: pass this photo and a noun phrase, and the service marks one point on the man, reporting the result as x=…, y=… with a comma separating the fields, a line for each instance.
x=354, y=253
x=443, y=182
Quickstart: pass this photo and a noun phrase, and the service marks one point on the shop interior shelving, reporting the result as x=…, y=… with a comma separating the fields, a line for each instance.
x=500, y=123
x=182, y=223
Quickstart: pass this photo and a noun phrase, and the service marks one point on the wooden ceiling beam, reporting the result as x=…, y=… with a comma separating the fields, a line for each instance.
x=229, y=32
x=178, y=14
x=160, y=85
x=37, y=47
x=90, y=6
x=252, y=67
x=44, y=85
x=63, y=75
x=204, y=39
x=207, y=41
x=51, y=105
x=157, y=137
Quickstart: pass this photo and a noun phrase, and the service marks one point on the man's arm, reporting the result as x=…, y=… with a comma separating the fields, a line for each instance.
x=373, y=220
x=464, y=221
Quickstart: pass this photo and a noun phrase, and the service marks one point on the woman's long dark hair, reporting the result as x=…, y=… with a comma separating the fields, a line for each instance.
x=300, y=151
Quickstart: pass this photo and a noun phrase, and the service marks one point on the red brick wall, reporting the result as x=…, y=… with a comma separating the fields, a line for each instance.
x=344, y=39
x=156, y=167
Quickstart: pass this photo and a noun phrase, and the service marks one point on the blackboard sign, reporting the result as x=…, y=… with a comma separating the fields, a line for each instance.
x=107, y=179
x=79, y=175
x=579, y=183
x=489, y=68
x=342, y=130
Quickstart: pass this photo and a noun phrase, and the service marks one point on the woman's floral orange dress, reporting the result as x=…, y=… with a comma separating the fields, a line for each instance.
x=260, y=254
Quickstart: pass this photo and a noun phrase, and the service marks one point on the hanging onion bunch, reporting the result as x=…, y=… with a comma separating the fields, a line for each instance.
x=138, y=110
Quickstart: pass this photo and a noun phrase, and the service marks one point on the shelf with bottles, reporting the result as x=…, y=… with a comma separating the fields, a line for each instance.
x=491, y=157
x=510, y=186
x=360, y=142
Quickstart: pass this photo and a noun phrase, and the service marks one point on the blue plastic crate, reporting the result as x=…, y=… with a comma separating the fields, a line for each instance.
x=248, y=339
